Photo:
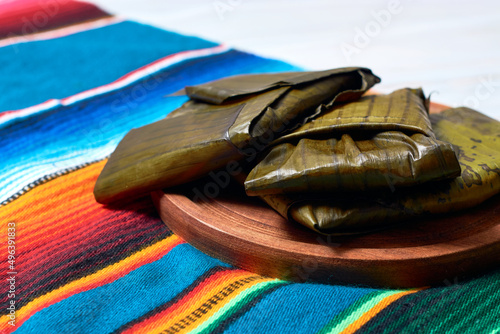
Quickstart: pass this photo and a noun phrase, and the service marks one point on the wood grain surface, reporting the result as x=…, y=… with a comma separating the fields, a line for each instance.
x=245, y=232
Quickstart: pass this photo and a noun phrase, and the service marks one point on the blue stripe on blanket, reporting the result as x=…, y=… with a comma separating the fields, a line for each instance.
x=106, y=308
x=82, y=61
x=89, y=130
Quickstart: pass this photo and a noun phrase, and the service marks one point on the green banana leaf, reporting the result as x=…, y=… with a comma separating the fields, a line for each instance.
x=378, y=141
x=477, y=138
x=225, y=121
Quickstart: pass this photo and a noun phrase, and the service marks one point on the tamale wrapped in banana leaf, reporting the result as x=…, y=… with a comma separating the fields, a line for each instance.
x=225, y=120
x=477, y=138
x=378, y=141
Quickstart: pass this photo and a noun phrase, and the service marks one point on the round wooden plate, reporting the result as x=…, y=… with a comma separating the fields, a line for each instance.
x=245, y=232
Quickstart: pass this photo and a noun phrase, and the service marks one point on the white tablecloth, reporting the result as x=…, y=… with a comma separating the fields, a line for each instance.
x=450, y=48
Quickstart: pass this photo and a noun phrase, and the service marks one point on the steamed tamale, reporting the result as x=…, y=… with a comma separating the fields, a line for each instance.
x=477, y=138
x=378, y=141
x=225, y=120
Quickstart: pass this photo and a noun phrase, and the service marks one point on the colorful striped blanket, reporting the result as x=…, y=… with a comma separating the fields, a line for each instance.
x=74, y=80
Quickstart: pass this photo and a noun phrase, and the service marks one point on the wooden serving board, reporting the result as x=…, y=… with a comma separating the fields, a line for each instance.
x=245, y=232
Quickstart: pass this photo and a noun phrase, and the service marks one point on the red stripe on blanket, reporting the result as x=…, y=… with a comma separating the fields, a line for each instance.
x=23, y=17
x=62, y=234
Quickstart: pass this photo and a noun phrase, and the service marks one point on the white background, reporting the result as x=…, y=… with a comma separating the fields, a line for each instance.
x=449, y=48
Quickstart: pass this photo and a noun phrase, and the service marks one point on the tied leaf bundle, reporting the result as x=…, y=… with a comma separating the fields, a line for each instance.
x=380, y=141
x=331, y=159
x=477, y=138
x=220, y=124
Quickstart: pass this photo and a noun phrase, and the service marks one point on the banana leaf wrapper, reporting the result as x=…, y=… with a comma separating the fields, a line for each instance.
x=477, y=138
x=224, y=121
x=379, y=141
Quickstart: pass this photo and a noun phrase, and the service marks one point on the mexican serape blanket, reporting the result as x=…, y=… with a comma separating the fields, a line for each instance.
x=73, y=81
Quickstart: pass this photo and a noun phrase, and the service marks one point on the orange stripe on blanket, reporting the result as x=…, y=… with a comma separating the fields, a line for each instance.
x=375, y=310
x=44, y=215
x=77, y=184
x=100, y=278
